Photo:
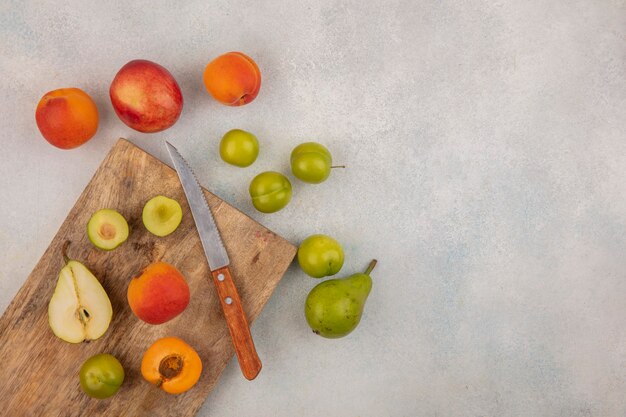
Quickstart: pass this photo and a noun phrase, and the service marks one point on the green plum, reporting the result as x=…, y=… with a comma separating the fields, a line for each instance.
x=107, y=229
x=311, y=162
x=161, y=215
x=320, y=256
x=270, y=191
x=101, y=376
x=239, y=148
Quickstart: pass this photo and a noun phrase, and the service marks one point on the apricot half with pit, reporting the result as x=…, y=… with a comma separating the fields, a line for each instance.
x=172, y=365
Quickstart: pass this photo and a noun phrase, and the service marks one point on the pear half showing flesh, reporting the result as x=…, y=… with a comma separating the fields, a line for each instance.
x=80, y=309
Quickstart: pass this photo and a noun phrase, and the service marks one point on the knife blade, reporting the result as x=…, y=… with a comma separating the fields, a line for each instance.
x=219, y=264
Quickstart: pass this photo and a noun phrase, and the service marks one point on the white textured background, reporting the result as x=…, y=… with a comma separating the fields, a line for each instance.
x=486, y=148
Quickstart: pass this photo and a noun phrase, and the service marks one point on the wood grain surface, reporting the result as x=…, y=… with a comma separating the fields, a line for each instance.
x=39, y=372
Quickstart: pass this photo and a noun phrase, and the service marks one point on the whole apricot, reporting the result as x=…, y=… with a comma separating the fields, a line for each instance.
x=233, y=79
x=67, y=117
x=158, y=294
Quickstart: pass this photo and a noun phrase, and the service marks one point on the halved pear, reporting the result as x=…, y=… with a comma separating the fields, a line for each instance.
x=80, y=308
x=162, y=215
x=107, y=229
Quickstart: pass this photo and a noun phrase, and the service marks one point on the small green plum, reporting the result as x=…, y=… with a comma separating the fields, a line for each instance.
x=320, y=256
x=239, y=148
x=311, y=162
x=101, y=376
x=270, y=191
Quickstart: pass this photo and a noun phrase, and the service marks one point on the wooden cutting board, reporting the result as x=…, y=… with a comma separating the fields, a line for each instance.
x=39, y=372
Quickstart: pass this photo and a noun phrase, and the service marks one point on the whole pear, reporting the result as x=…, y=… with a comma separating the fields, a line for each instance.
x=334, y=308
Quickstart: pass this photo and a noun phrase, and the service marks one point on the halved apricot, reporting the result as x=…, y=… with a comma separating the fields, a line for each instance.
x=172, y=365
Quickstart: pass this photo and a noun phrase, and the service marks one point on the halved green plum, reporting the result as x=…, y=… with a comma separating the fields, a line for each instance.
x=162, y=215
x=107, y=229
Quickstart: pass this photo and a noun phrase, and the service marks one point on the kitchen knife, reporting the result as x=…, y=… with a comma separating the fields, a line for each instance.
x=219, y=265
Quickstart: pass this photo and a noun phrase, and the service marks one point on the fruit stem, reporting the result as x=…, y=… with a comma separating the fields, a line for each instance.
x=370, y=266
x=64, y=251
x=338, y=166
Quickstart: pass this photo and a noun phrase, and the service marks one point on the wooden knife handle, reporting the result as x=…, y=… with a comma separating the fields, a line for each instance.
x=249, y=361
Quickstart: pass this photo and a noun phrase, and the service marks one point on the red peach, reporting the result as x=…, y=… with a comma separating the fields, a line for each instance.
x=146, y=96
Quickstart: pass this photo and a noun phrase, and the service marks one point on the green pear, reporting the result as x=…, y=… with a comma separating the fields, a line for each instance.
x=80, y=308
x=334, y=308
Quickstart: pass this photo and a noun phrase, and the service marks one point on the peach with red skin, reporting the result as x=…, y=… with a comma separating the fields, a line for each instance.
x=233, y=79
x=146, y=97
x=67, y=117
x=158, y=294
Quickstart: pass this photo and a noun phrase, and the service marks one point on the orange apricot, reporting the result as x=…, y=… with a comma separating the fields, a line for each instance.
x=67, y=117
x=233, y=79
x=172, y=365
x=158, y=294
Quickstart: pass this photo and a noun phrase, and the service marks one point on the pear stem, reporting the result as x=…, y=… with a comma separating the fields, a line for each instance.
x=370, y=266
x=338, y=166
x=64, y=251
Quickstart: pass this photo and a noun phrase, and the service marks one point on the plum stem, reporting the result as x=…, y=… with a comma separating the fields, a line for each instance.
x=338, y=166
x=370, y=267
x=64, y=251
